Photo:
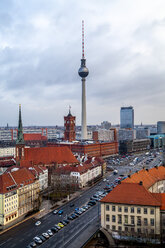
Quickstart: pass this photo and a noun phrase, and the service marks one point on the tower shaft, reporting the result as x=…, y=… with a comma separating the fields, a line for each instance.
x=83, y=73
x=83, y=113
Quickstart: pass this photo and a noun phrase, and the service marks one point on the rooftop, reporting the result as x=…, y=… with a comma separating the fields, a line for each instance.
x=124, y=193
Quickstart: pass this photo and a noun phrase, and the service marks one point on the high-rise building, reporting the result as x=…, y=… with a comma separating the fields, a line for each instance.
x=83, y=73
x=127, y=117
x=161, y=127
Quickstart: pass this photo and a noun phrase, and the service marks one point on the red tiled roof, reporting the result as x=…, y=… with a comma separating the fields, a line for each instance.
x=48, y=155
x=132, y=194
x=34, y=136
x=148, y=178
x=36, y=170
x=21, y=176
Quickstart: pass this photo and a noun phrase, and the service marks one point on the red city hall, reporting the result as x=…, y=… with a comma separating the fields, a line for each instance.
x=69, y=124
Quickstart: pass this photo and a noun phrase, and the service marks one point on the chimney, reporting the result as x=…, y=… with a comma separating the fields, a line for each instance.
x=146, y=169
x=140, y=183
x=129, y=176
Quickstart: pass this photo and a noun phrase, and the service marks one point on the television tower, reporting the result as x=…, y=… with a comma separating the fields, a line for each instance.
x=83, y=73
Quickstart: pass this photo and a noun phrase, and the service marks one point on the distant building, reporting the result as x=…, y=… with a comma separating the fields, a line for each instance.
x=161, y=127
x=142, y=133
x=104, y=135
x=128, y=146
x=93, y=149
x=127, y=117
x=106, y=125
x=126, y=134
x=7, y=151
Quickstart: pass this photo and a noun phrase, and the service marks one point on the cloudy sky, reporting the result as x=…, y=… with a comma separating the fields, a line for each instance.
x=40, y=52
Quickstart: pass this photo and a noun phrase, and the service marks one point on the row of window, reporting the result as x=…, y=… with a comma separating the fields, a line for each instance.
x=124, y=220
x=10, y=203
x=132, y=229
x=11, y=198
x=10, y=208
x=132, y=209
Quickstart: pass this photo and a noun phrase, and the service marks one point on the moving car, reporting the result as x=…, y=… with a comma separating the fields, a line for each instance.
x=60, y=212
x=38, y=223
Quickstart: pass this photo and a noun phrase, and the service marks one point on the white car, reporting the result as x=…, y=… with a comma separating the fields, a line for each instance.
x=50, y=232
x=38, y=223
x=37, y=240
x=45, y=235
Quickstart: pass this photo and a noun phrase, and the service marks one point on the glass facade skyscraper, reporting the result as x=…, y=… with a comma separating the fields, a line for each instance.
x=127, y=117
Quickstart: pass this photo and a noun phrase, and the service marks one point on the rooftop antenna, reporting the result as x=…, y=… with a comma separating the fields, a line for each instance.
x=83, y=40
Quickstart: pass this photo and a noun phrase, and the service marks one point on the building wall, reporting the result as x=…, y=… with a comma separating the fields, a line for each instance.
x=28, y=196
x=8, y=207
x=131, y=219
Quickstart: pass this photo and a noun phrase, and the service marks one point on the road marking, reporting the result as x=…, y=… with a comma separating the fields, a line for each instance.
x=80, y=230
x=5, y=241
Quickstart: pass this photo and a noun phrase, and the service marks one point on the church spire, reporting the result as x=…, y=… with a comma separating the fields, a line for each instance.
x=20, y=139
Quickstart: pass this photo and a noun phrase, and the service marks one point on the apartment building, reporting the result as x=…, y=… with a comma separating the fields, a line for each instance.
x=19, y=194
x=136, y=207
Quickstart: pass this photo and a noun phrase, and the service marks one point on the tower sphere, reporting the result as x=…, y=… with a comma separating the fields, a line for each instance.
x=83, y=72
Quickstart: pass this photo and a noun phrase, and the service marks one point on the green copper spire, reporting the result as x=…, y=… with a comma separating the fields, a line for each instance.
x=20, y=139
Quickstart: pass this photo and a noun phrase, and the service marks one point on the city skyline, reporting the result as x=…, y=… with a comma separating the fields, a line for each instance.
x=40, y=47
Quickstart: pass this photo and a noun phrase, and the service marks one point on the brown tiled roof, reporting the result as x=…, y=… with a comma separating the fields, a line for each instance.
x=148, y=178
x=163, y=201
x=132, y=194
x=48, y=155
x=15, y=179
x=34, y=136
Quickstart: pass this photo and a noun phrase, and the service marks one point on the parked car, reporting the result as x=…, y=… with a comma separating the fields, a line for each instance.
x=37, y=240
x=33, y=244
x=50, y=232
x=60, y=225
x=45, y=235
x=72, y=205
x=54, y=229
x=42, y=238
x=70, y=217
x=55, y=211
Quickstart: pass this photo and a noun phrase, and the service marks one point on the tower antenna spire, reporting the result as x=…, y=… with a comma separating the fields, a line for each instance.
x=83, y=39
